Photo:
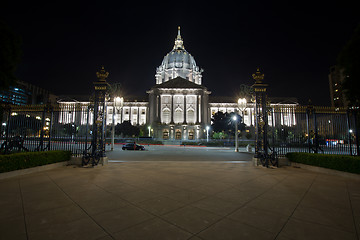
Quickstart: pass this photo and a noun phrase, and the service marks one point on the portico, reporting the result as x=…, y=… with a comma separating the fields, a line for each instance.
x=178, y=109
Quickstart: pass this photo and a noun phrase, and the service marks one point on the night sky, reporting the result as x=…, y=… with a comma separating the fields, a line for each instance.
x=294, y=44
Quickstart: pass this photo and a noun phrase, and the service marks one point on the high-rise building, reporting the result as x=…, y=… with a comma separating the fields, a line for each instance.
x=23, y=93
x=336, y=79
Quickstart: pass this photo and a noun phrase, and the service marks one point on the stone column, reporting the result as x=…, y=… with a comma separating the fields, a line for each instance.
x=138, y=115
x=172, y=109
x=130, y=115
x=158, y=104
x=199, y=109
x=185, y=109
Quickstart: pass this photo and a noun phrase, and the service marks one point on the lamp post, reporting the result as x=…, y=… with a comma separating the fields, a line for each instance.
x=207, y=133
x=236, y=134
x=242, y=106
x=118, y=104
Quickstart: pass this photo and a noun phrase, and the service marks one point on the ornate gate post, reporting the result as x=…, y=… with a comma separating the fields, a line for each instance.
x=261, y=119
x=99, y=120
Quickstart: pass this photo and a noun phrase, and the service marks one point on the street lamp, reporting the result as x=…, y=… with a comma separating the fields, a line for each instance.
x=242, y=105
x=207, y=133
x=118, y=104
x=236, y=134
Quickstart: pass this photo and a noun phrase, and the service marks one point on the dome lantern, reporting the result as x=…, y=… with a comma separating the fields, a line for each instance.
x=178, y=63
x=179, y=43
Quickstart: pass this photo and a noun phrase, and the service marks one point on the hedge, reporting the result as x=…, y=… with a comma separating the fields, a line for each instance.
x=24, y=160
x=343, y=163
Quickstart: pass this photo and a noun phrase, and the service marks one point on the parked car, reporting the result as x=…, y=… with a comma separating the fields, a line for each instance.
x=133, y=146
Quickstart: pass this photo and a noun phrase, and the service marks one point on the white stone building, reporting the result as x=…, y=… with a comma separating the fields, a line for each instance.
x=178, y=107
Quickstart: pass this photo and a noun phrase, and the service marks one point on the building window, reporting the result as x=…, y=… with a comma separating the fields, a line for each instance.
x=190, y=116
x=165, y=116
x=178, y=115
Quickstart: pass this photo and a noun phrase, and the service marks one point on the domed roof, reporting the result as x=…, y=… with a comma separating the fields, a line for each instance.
x=178, y=63
x=178, y=57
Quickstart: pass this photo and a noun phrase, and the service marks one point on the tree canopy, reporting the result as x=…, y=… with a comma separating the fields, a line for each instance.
x=126, y=129
x=10, y=55
x=224, y=122
x=349, y=61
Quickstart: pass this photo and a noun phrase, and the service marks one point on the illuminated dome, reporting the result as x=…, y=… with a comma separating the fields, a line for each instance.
x=178, y=63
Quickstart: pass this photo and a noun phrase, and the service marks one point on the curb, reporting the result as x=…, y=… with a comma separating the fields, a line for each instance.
x=353, y=176
x=21, y=172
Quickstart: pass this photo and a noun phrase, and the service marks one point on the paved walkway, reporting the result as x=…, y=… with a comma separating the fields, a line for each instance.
x=179, y=200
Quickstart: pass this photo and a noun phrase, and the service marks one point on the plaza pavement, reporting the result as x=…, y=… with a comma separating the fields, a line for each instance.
x=173, y=193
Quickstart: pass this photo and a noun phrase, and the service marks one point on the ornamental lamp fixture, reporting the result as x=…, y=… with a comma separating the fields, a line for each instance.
x=258, y=76
x=119, y=102
x=242, y=104
x=102, y=74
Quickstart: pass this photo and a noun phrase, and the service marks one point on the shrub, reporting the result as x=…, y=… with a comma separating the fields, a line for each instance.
x=337, y=162
x=24, y=160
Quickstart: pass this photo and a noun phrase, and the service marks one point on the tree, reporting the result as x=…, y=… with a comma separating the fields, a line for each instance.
x=349, y=61
x=70, y=129
x=223, y=122
x=126, y=129
x=24, y=125
x=10, y=55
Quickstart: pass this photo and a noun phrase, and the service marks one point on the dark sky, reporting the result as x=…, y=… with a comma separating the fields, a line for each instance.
x=294, y=44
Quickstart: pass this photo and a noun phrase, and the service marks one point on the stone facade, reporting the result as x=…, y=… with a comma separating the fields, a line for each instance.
x=178, y=106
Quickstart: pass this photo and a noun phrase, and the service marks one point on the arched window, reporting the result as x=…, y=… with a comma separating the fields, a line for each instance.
x=178, y=115
x=165, y=118
x=190, y=115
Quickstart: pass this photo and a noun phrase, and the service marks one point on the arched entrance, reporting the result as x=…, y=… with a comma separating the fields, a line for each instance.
x=178, y=134
x=191, y=135
x=166, y=134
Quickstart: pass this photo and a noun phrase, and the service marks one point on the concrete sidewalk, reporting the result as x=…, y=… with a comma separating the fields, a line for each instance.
x=179, y=200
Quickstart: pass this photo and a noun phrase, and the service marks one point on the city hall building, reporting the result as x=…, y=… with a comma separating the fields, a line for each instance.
x=179, y=106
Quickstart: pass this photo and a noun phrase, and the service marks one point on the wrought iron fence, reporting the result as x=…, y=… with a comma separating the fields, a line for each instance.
x=313, y=129
x=45, y=127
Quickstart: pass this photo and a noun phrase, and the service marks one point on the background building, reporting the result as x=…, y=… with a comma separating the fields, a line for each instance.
x=336, y=79
x=24, y=93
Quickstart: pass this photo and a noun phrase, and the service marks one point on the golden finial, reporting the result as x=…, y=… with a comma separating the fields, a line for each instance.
x=258, y=76
x=178, y=41
x=102, y=74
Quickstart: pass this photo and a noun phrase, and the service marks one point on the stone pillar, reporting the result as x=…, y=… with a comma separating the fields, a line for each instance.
x=199, y=109
x=130, y=115
x=185, y=109
x=138, y=115
x=158, y=107
x=172, y=109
